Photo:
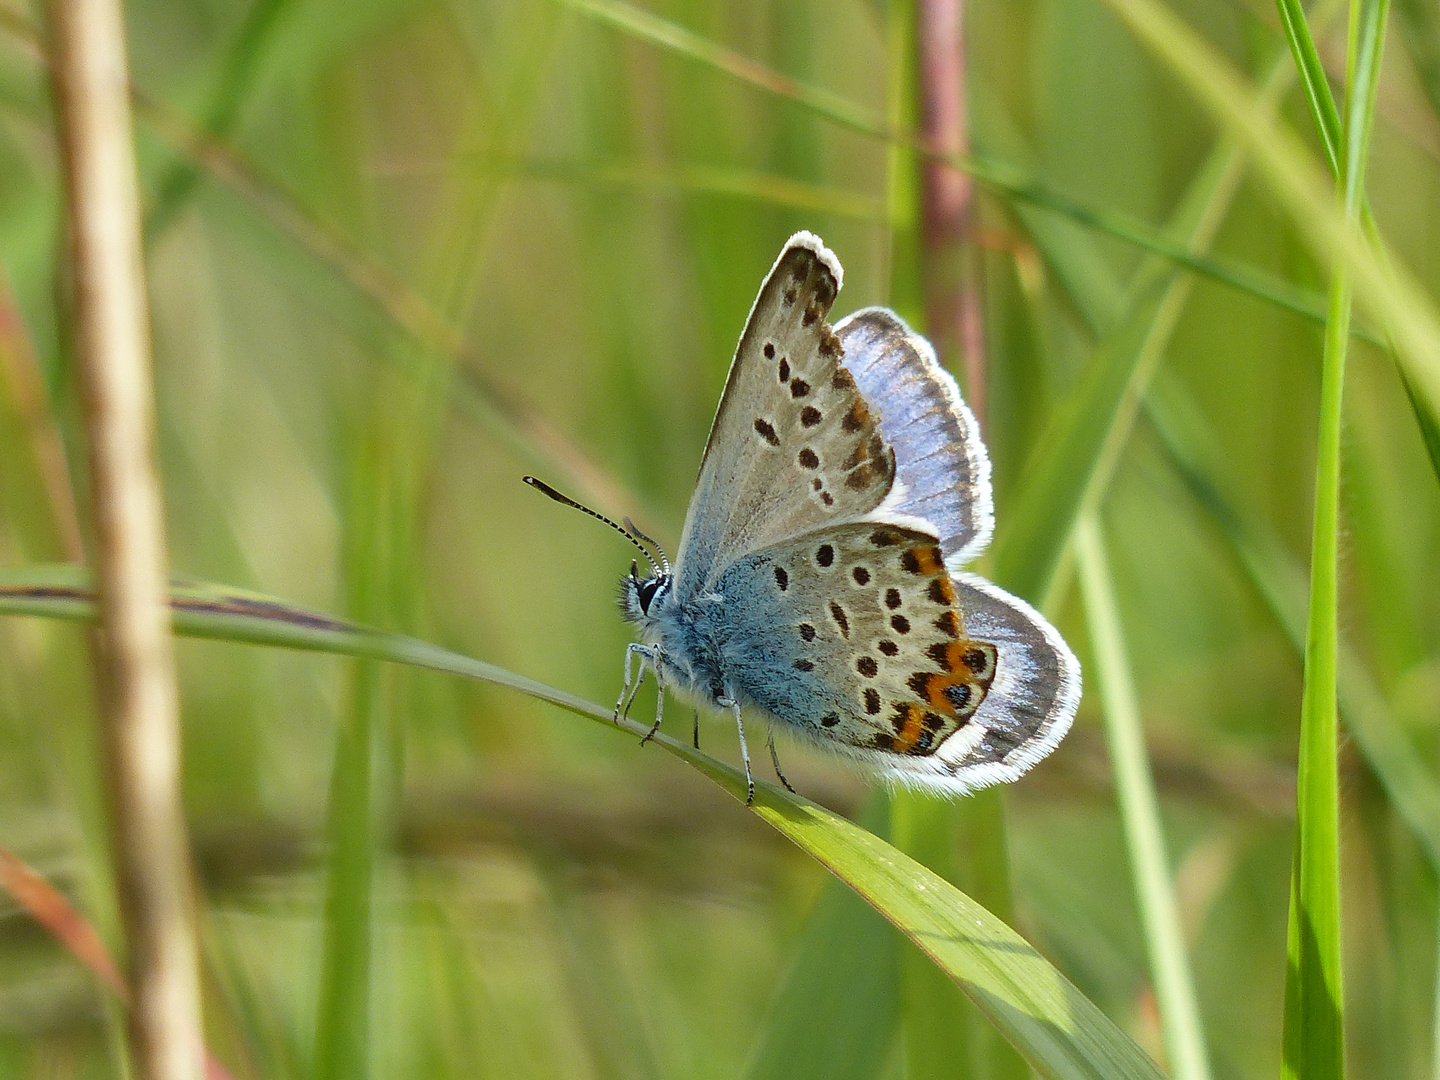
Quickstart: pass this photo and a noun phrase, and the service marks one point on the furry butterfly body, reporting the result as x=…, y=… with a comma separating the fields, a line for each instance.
x=819, y=581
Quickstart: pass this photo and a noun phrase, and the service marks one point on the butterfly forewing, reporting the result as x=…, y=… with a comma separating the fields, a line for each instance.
x=940, y=460
x=867, y=615
x=794, y=445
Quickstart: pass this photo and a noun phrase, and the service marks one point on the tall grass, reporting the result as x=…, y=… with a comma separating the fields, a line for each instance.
x=401, y=253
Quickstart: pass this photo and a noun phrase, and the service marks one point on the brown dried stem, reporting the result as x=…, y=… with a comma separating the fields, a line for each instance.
x=952, y=299
x=139, y=706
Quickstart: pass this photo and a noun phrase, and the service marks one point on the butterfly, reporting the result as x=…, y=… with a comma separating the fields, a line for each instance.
x=820, y=578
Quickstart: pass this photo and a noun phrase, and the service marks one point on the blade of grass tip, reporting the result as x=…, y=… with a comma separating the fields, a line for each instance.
x=837, y=1009
x=1289, y=171
x=1312, y=78
x=1314, y=1044
x=1004, y=178
x=1170, y=972
x=1060, y=1032
x=1327, y=122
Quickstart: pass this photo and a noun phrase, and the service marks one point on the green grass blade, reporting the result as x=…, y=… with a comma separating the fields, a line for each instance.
x=1280, y=583
x=836, y=1012
x=1289, y=171
x=1001, y=177
x=1312, y=78
x=1140, y=813
x=1060, y=1032
x=1314, y=1036
x=342, y=1013
x=1314, y=1029
x=1365, y=57
x=1073, y=460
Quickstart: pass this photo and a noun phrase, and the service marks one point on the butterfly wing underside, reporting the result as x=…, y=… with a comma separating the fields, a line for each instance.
x=859, y=638
x=843, y=487
x=794, y=445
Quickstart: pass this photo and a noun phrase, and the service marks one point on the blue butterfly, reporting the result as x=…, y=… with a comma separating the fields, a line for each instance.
x=819, y=581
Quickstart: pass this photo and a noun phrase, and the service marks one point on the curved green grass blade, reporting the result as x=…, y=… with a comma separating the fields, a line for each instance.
x=835, y=1014
x=1327, y=122
x=1002, y=177
x=1075, y=457
x=1280, y=582
x=1060, y=1032
x=1290, y=172
x=1140, y=813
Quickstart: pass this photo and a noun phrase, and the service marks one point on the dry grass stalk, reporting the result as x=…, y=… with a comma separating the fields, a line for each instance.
x=140, y=712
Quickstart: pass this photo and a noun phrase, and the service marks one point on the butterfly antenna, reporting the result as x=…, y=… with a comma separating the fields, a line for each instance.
x=546, y=489
x=664, y=562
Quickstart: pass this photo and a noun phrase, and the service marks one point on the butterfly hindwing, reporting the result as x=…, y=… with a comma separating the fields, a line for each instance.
x=854, y=635
x=794, y=445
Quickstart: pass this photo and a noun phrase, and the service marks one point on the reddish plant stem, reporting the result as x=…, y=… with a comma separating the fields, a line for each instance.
x=952, y=301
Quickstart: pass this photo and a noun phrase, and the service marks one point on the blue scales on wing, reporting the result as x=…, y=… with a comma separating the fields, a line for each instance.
x=942, y=471
x=852, y=635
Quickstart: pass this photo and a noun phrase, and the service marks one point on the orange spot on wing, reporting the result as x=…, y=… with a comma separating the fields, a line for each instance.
x=908, y=723
x=928, y=561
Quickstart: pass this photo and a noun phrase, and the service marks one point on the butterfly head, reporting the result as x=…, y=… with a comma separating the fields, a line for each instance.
x=641, y=597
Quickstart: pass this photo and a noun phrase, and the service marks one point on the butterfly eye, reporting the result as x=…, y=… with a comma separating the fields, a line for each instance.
x=645, y=593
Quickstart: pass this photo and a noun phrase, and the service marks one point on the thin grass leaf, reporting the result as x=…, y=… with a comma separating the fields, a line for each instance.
x=835, y=1013
x=1327, y=122
x=1001, y=177
x=1059, y=1031
x=1280, y=582
x=1312, y=78
x=1140, y=813
x=342, y=1014
x=1314, y=1035
x=1388, y=292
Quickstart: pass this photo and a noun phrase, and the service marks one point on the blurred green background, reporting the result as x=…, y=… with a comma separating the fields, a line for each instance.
x=430, y=245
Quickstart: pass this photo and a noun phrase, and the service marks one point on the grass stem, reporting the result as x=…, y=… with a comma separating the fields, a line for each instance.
x=139, y=700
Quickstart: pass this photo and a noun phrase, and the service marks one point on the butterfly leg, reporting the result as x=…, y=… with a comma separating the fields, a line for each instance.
x=659, y=705
x=734, y=706
x=630, y=689
x=775, y=760
x=697, y=729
